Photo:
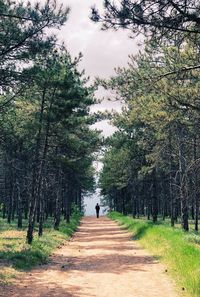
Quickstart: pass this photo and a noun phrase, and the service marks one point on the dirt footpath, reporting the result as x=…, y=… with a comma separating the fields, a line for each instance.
x=99, y=261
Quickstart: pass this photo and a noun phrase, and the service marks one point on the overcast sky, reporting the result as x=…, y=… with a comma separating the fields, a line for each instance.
x=102, y=50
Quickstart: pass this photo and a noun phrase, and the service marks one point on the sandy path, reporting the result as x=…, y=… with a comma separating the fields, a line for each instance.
x=99, y=261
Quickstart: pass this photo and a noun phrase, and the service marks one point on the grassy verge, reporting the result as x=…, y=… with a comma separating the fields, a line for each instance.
x=17, y=256
x=171, y=246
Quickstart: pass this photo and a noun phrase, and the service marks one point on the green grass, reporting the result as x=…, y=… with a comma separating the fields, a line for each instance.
x=16, y=255
x=171, y=246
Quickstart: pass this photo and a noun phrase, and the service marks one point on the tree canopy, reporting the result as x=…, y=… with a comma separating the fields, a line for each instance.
x=164, y=17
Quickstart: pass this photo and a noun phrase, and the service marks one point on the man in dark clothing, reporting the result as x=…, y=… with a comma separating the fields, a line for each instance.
x=97, y=207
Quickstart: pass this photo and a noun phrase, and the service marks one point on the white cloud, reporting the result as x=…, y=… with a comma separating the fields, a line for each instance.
x=105, y=127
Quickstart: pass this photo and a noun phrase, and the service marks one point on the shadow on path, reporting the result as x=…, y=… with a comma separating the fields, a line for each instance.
x=100, y=254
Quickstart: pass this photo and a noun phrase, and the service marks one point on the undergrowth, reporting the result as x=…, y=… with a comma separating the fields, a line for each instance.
x=171, y=246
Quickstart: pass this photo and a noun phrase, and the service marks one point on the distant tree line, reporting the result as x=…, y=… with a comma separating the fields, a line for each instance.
x=46, y=144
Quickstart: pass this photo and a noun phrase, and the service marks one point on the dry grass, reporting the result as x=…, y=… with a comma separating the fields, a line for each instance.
x=16, y=255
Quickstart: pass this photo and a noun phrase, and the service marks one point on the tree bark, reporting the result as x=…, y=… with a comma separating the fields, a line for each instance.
x=183, y=196
x=57, y=212
x=196, y=198
x=34, y=192
x=154, y=197
x=20, y=206
x=170, y=181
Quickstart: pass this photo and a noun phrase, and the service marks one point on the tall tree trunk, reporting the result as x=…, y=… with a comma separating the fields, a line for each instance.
x=149, y=204
x=154, y=196
x=123, y=201
x=133, y=200
x=41, y=214
x=196, y=198
x=57, y=213
x=20, y=205
x=184, y=210
x=34, y=192
x=10, y=198
x=197, y=213
x=171, y=180
x=80, y=200
x=4, y=209
x=40, y=179
x=68, y=204
x=32, y=212
x=183, y=196
x=57, y=210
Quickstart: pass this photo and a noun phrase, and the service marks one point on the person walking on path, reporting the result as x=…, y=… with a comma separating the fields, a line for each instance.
x=97, y=207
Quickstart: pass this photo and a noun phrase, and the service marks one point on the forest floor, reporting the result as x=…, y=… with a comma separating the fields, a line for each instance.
x=100, y=260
